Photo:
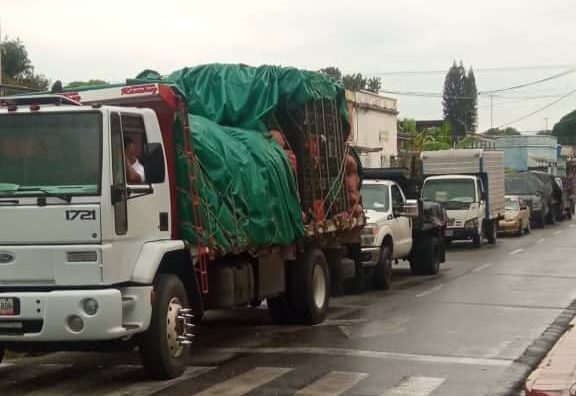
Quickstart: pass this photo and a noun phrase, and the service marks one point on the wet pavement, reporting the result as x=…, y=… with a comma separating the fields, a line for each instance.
x=463, y=332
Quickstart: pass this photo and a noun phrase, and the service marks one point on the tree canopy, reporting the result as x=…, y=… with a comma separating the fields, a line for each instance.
x=501, y=132
x=565, y=129
x=77, y=84
x=17, y=68
x=460, y=99
x=354, y=81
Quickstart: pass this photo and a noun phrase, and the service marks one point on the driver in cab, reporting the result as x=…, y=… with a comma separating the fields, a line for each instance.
x=134, y=169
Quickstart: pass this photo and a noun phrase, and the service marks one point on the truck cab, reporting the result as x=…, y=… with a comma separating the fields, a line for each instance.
x=387, y=235
x=464, y=198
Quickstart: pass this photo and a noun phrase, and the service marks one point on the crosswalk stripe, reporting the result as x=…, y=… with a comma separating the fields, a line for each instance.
x=246, y=382
x=148, y=388
x=415, y=386
x=332, y=384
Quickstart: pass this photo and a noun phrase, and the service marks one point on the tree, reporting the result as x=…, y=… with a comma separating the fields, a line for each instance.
x=407, y=125
x=77, y=84
x=333, y=72
x=460, y=99
x=494, y=132
x=565, y=129
x=354, y=82
x=374, y=84
x=17, y=68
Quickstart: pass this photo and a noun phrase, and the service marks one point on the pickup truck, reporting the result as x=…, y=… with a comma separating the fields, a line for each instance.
x=399, y=228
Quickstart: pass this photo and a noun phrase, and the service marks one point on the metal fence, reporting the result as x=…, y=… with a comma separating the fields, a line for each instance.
x=9, y=90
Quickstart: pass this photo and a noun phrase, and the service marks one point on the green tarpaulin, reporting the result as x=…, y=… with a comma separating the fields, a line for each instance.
x=248, y=190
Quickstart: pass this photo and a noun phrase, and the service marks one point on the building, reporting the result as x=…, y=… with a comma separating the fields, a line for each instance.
x=523, y=152
x=373, y=122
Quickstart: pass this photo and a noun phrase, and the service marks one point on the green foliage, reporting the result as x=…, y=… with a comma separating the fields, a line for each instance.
x=374, y=84
x=77, y=84
x=407, y=125
x=565, y=129
x=501, y=132
x=17, y=67
x=460, y=99
x=333, y=72
x=354, y=82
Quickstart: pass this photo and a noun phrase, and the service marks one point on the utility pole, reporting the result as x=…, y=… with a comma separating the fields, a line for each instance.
x=491, y=111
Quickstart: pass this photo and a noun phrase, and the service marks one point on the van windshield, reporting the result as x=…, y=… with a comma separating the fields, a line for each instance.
x=450, y=191
x=50, y=153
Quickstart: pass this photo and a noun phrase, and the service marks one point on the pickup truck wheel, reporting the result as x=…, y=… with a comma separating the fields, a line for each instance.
x=309, y=292
x=383, y=270
x=164, y=347
x=477, y=240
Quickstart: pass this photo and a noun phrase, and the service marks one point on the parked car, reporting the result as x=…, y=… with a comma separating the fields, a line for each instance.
x=517, y=216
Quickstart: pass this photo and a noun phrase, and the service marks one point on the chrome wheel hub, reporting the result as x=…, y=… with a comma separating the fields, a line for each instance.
x=319, y=286
x=178, y=327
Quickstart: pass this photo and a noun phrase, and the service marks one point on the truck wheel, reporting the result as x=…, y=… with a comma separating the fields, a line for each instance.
x=309, y=292
x=491, y=233
x=428, y=260
x=383, y=270
x=165, y=345
x=477, y=240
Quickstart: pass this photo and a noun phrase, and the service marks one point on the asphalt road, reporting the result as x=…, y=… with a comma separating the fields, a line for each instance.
x=463, y=332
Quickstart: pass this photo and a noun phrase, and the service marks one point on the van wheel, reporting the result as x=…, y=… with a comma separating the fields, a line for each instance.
x=383, y=270
x=428, y=260
x=309, y=291
x=164, y=347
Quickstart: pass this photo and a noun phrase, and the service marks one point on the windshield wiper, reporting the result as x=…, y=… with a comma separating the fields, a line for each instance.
x=64, y=197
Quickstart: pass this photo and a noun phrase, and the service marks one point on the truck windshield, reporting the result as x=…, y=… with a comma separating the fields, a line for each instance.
x=55, y=153
x=450, y=191
x=376, y=197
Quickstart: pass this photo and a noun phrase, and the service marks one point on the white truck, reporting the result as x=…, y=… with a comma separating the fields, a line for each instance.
x=387, y=235
x=399, y=228
x=90, y=259
x=469, y=183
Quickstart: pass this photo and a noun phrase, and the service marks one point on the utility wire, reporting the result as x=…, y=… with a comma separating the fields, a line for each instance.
x=502, y=69
x=553, y=77
x=539, y=109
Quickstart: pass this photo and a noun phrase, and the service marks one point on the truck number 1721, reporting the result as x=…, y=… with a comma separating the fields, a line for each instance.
x=72, y=215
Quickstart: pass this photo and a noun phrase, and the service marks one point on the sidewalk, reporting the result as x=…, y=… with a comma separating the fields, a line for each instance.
x=556, y=374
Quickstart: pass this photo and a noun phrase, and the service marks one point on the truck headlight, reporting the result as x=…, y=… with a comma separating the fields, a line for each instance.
x=473, y=224
x=369, y=234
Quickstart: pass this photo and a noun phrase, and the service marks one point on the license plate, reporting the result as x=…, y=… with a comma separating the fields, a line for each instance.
x=8, y=306
x=449, y=233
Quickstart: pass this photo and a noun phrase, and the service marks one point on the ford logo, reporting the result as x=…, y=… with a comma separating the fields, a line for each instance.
x=7, y=257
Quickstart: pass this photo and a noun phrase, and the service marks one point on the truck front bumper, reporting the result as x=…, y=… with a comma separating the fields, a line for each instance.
x=76, y=315
x=459, y=234
x=370, y=256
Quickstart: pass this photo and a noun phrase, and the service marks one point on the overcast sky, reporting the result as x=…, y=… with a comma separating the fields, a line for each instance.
x=112, y=40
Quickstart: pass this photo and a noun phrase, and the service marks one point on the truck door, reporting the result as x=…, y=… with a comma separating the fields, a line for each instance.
x=402, y=225
x=140, y=210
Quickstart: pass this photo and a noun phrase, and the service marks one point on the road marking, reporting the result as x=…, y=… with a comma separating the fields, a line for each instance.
x=332, y=384
x=246, y=382
x=147, y=388
x=516, y=251
x=540, y=240
x=482, y=267
x=557, y=232
x=369, y=354
x=415, y=386
x=430, y=291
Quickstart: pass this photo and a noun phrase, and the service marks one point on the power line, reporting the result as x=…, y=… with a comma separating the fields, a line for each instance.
x=498, y=69
x=539, y=109
x=553, y=77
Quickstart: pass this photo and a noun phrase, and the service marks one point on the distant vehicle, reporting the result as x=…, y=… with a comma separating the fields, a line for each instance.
x=469, y=183
x=540, y=191
x=516, y=216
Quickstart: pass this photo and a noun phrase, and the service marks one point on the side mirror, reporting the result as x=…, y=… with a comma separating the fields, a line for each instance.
x=409, y=209
x=154, y=163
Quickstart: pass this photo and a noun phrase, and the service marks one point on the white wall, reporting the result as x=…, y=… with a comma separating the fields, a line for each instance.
x=373, y=121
